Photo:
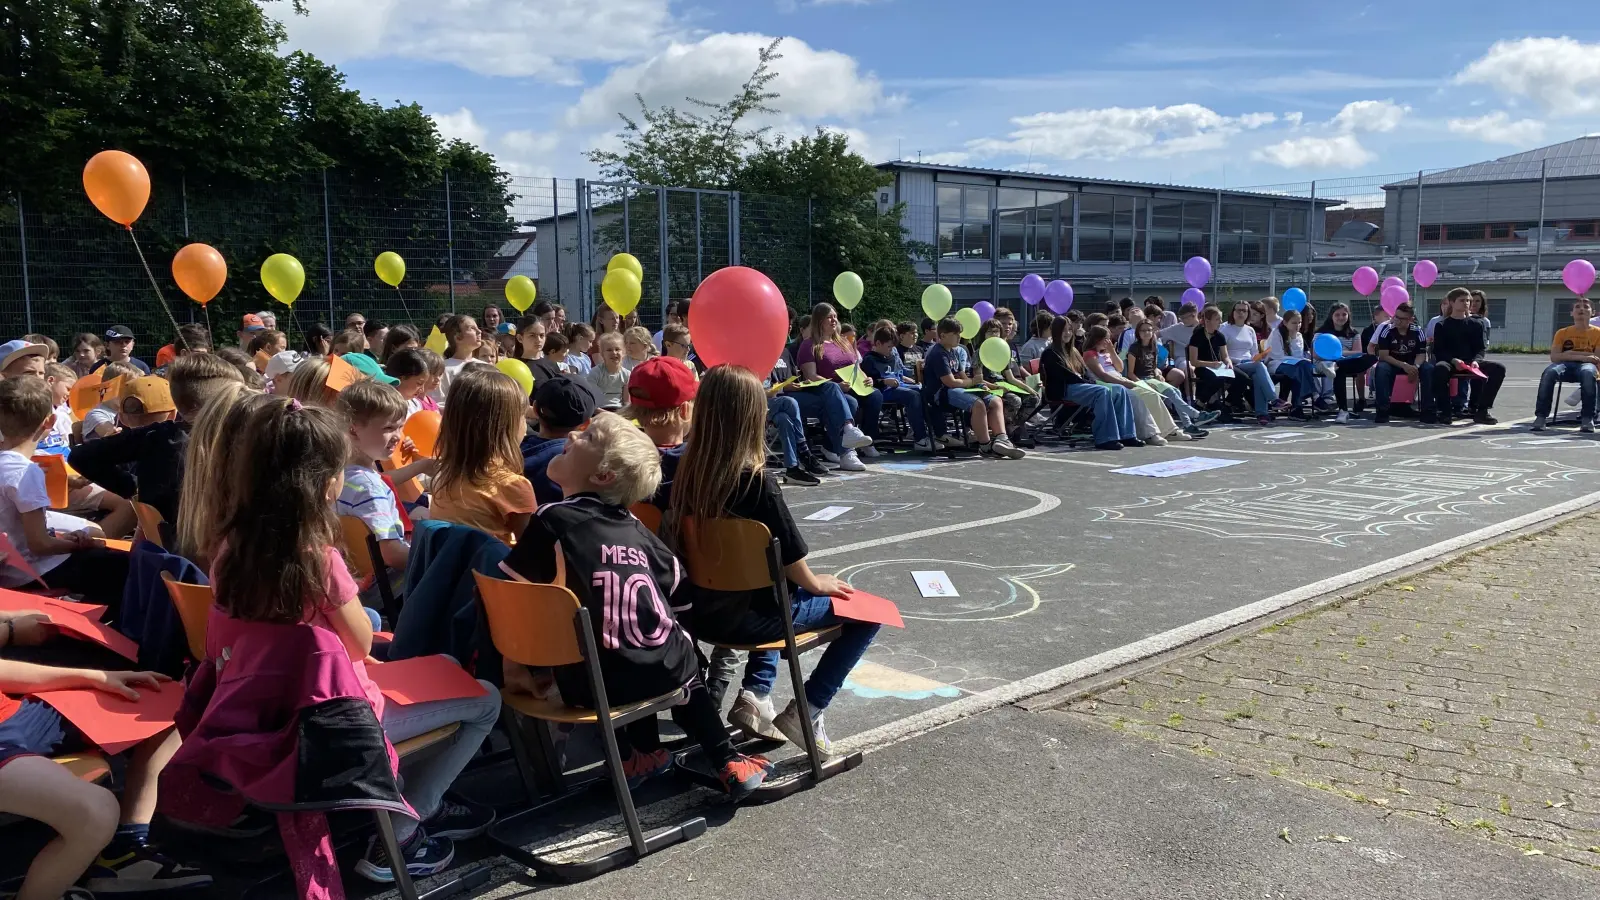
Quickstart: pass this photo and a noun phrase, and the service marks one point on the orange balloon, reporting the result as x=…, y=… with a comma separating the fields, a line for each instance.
x=117, y=185
x=200, y=271
x=423, y=429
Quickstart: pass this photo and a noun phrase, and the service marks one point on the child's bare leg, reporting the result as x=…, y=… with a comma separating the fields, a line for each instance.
x=980, y=423
x=997, y=415
x=145, y=763
x=83, y=815
x=120, y=519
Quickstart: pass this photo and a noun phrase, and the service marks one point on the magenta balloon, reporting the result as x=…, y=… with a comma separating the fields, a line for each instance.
x=1195, y=296
x=1058, y=297
x=984, y=309
x=1578, y=276
x=1364, y=280
x=1393, y=281
x=1393, y=296
x=1426, y=273
x=1197, y=271
x=1032, y=289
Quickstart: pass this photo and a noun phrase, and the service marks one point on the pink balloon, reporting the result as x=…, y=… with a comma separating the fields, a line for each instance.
x=983, y=308
x=1364, y=280
x=1578, y=276
x=1425, y=273
x=1394, y=281
x=1393, y=296
x=738, y=317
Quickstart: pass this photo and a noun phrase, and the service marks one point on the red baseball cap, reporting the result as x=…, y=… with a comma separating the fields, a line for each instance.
x=252, y=322
x=661, y=382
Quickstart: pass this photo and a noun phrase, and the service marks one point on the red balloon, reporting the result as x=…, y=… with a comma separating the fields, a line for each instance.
x=738, y=317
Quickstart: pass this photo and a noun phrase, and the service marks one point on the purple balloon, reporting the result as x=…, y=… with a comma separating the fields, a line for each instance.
x=1364, y=280
x=1058, y=297
x=984, y=309
x=1425, y=273
x=1578, y=276
x=1393, y=296
x=1197, y=271
x=1196, y=296
x=1032, y=288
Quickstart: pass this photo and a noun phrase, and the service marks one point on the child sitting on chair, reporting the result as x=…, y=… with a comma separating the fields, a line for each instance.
x=626, y=578
x=376, y=413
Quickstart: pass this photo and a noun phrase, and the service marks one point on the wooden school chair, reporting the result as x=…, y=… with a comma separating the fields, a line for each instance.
x=150, y=522
x=365, y=557
x=648, y=514
x=194, y=602
x=544, y=625
x=741, y=555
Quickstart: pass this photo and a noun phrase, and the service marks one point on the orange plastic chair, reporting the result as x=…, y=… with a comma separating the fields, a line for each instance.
x=193, y=603
x=649, y=514
x=366, y=560
x=544, y=625
x=150, y=522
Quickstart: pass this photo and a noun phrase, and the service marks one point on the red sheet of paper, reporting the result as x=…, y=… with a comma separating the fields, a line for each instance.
x=80, y=620
x=423, y=679
x=864, y=607
x=1473, y=370
x=113, y=722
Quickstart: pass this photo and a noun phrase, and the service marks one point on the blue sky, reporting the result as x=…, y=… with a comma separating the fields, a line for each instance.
x=1209, y=94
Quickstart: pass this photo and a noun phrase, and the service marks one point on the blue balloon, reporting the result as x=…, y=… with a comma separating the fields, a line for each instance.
x=1328, y=346
x=1161, y=354
x=1293, y=299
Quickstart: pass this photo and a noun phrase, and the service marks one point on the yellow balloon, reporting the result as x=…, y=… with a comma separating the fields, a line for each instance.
x=436, y=341
x=847, y=289
x=969, y=322
x=621, y=290
x=390, y=267
x=995, y=354
x=936, y=301
x=283, y=277
x=520, y=292
x=627, y=261
x=519, y=372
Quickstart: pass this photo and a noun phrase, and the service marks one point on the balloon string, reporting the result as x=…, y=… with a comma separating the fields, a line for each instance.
x=207, y=310
x=151, y=275
x=403, y=308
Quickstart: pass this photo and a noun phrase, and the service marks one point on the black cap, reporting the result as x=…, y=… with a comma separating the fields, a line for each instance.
x=562, y=402
x=119, y=333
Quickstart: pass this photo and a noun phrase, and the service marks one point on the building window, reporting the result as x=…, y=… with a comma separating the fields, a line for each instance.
x=1028, y=223
x=1464, y=232
x=1581, y=230
x=1497, y=315
x=1499, y=231
x=1244, y=234
x=1179, y=229
x=1430, y=234
x=964, y=221
x=1112, y=228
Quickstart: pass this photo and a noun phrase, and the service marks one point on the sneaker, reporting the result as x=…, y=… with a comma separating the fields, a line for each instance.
x=830, y=456
x=1298, y=414
x=986, y=449
x=788, y=722
x=1206, y=418
x=1132, y=442
x=1002, y=447
x=1483, y=418
x=641, y=767
x=1195, y=432
x=462, y=821
x=869, y=451
x=1539, y=423
x=814, y=466
x=1039, y=420
x=1574, y=399
x=849, y=462
x=923, y=446
x=1586, y=425
x=1277, y=406
x=754, y=715
x=852, y=437
x=1342, y=417
x=1109, y=445
x=1264, y=421
x=142, y=870
x=1156, y=440
x=797, y=475
x=1427, y=418
x=743, y=774
x=426, y=855
x=1181, y=434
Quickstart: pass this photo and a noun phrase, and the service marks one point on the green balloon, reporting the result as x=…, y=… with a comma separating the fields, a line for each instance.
x=936, y=301
x=995, y=354
x=847, y=289
x=970, y=323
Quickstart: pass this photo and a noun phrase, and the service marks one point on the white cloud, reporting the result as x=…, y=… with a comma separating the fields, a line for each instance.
x=547, y=39
x=1294, y=119
x=1498, y=128
x=460, y=125
x=1561, y=75
x=816, y=85
x=1369, y=115
x=1341, y=151
x=947, y=158
x=1116, y=132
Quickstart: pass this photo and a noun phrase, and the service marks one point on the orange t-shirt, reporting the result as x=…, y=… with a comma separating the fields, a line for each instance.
x=488, y=506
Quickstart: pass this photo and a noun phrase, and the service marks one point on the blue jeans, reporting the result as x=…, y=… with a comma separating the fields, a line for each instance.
x=1383, y=376
x=1427, y=395
x=1302, y=377
x=868, y=410
x=1113, y=410
x=784, y=412
x=910, y=400
x=428, y=779
x=1260, y=381
x=828, y=403
x=1583, y=373
x=809, y=611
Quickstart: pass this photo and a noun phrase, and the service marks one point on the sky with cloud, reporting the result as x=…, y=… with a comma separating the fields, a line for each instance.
x=1240, y=93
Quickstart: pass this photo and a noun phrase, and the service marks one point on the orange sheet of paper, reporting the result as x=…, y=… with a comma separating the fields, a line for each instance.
x=116, y=544
x=85, y=397
x=113, y=722
x=423, y=679
x=80, y=620
x=55, y=478
x=864, y=607
x=340, y=374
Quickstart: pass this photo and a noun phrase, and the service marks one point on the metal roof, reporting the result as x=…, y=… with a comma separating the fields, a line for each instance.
x=1578, y=158
x=1073, y=179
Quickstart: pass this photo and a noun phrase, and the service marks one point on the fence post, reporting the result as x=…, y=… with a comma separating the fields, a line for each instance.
x=810, y=288
x=1311, y=223
x=661, y=238
x=699, y=249
x=1216, y=244
x=627, y=221
x=1538, y=258
x=449, y=243
x=580, y=204
x=734, y=215
x=555, y=224
x=327, y=244
x=27, y=292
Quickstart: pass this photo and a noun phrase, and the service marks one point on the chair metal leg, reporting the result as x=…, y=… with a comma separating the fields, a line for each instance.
x=397, y=862
x=519, y=752
x=619, y=784
x=797, y=678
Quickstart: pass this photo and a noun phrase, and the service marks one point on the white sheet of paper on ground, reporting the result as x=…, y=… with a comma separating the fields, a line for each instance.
x=934, y=584
x=828, y=513
x=1183, y=466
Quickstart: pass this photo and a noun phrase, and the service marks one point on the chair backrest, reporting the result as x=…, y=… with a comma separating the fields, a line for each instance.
x=193, y=602
x=357, y=550
x=150, y=521
x=649, y=514
x=531, y=624
x=728, y=554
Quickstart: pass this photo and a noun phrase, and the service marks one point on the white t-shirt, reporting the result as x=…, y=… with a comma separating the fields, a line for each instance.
x=1427, y=331
x=104, y=414
x=1242, y=342
x=60, y=436
x=22, y=490
x=452, y=367
x=1277, y=351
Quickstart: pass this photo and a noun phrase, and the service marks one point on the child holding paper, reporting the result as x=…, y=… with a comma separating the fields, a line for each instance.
x=890, y=378
x=376, y=414
x=945, y=380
